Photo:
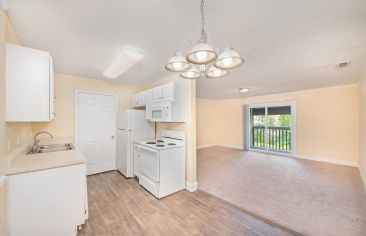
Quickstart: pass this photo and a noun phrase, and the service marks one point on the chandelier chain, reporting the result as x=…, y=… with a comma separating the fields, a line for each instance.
x=203, y=32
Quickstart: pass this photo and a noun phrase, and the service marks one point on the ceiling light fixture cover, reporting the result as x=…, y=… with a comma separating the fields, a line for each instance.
x=243, y=90
x=215, y=73
x=192, y=73
x=229, y=59
x=204, y=56
x=4, y=5
x=203, y=53
x=177, y=63
x=128, y=58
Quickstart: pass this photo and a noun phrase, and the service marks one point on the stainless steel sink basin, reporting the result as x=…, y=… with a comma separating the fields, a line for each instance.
x=52, y=148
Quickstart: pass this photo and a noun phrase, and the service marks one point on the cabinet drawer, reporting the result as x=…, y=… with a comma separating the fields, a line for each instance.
x=149, y=184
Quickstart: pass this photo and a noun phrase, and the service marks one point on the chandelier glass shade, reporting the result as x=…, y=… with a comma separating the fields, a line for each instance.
x=203, y=53
x=177, y=63
x=192, y=73
x=204, y=60
x=229, y=59
x=213, y=72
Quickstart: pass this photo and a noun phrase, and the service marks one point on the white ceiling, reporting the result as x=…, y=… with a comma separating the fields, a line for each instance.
x=287, y=44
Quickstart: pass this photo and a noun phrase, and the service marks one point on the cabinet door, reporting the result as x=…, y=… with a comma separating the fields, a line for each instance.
x=157, y=94
x=138, y=99
x=135, y=100
x=52, y=92
x=142, y=98
x=149, y=103
x=47, y=202
x=27, y=86
x=168, y=92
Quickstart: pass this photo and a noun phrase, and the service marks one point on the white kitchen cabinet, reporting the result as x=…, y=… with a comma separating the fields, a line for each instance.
x=149, y=103
x=47, y=202
x=138, y=99
x=29, y=92
x=163, y=93
x=169, y=102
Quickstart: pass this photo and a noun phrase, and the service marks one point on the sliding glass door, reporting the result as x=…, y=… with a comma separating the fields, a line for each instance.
x=272, y=127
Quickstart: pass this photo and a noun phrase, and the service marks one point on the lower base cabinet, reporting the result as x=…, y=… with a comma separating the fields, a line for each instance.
x=47, y=202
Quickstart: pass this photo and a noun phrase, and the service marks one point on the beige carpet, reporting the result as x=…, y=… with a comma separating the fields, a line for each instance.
x=312, y=198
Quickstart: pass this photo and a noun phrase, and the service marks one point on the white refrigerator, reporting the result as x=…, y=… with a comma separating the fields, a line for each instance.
x=132, y=125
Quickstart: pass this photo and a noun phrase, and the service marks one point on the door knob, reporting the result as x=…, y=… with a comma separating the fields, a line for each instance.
x=112, y=136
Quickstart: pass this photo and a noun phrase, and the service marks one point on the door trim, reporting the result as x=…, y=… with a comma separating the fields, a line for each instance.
x=247, y=133
x=76, y=118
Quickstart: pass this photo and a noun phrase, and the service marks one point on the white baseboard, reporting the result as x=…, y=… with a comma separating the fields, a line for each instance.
x=191, y=186
x=300, y=156
x=219, y=144
x=230, y=146
x=206, y=146
x=327, y=160
x=363, y=176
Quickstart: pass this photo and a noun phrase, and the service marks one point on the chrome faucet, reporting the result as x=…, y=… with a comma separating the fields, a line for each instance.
x=35, y=141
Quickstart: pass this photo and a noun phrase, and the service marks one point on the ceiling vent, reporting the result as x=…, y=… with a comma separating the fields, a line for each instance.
x=343, y=64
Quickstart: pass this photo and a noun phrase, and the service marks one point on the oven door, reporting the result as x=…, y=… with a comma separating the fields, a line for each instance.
x=149, y=163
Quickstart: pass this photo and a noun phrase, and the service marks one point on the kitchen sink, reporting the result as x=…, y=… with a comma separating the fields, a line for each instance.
x=51, y=148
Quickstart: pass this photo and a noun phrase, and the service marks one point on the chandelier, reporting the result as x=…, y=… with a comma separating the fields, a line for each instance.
x=203, y=60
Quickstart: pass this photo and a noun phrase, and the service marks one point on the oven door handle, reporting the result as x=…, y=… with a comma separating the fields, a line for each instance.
x=148, y=149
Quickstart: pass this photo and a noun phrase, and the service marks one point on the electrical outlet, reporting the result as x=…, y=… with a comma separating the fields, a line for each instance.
x=18, y=140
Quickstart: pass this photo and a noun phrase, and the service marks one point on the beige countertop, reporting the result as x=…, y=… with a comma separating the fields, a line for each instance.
x=19, y=162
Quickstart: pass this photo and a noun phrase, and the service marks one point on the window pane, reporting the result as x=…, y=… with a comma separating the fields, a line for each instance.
x=258, y=117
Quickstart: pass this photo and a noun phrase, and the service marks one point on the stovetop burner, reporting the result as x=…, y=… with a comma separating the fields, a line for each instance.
x=160, y=145
x=160, y=141
x=171, y=144
x=151, y=143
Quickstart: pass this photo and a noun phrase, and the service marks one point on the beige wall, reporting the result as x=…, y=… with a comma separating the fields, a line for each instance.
x=65, y=86
x=63, y=124
x=189, y=127
x=12, y=135
x=207, y=120
x=363, y=126
x=327, y=121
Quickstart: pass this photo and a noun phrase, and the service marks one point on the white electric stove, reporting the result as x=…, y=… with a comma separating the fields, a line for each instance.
x=170, y=139
x=160, y=164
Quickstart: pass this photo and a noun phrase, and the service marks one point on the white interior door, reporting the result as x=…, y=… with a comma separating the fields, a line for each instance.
x=96, y=130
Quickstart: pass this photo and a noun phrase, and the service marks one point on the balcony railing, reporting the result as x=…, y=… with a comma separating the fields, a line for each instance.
x=279, y=138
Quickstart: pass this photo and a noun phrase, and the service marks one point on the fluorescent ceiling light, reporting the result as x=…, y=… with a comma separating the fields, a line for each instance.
x=4, y=5
x=128, y=58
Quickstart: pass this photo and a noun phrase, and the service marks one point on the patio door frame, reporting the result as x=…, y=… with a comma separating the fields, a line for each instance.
x=248, y=127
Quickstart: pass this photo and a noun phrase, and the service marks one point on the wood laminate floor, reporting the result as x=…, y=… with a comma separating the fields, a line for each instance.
x=119, y=206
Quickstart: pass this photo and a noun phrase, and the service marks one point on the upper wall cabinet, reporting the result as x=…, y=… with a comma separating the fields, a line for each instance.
x=163, y=93
x=139, y=99
x=29, y=85
x=165, y=103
